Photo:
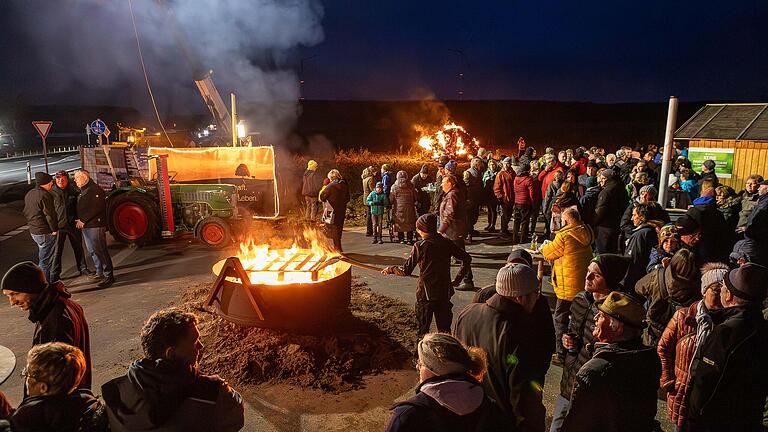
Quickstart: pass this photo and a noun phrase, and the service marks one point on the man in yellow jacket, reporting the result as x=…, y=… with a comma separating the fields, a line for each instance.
x=570, y=253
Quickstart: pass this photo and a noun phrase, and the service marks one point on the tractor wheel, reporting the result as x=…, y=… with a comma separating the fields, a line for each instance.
x=133, y=218
x=214, y=232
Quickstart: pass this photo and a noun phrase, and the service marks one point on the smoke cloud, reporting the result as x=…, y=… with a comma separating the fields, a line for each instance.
x=87, y=48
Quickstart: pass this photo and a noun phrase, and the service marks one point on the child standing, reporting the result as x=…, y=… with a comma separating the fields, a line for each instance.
x=378, y=201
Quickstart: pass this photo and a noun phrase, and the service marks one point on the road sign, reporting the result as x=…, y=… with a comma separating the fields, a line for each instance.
x=98, y=127
x=43, y=127
x=106, y=132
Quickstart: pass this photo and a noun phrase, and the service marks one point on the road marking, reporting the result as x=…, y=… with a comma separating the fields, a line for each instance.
x=13, y=233
x=60, y=161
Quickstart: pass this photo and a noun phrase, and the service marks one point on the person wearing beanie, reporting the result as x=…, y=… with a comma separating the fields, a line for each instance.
x=56, y=316
x=669, y=244
x=688, y=328
x=449, y=391
x=311, y=183
x=604, y=273
x=515, y=328
x=729, y=380
x=517, y=256
x=666, y=290
x=616, y=389
x=504, y=190
x=420, y=181
x=434, y=289
x=40, y=212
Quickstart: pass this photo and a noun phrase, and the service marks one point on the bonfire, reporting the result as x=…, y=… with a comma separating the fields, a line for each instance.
x=450, y=140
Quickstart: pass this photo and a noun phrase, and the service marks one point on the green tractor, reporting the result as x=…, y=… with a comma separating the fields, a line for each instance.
x=139, y=212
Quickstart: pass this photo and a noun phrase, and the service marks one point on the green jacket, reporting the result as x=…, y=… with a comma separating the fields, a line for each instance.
x=378, y=202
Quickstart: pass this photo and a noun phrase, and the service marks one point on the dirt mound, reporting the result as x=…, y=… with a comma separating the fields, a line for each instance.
x=379, y=335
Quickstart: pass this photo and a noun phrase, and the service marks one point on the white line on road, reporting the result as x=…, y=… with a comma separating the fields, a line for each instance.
x=61, y=161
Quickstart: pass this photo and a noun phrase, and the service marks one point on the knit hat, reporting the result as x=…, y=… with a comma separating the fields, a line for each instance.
x=451, y=166
x=42, y=178
x=516, y=280
x=591, y=182
x=712, y=273
x=386, y=167
x=651, y=189
x=433, y=361
x=424, y=169
x=402, y=175
x=427, y=223
x=746, y=282
x=520, y=256
x=624, y=308
x=607, y=173
x=24, y=277
x=613, y=267
x=311, y=165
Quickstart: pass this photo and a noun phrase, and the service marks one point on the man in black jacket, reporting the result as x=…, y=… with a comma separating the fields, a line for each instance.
x=611, y=203
x=337, y=195
x=435, y=288
x=42, y=221
x=518, y=335
x=615, y=391
x=92, y=219
x=65, y=201
x=57, y=318
x=729, y=381
x=165, y=391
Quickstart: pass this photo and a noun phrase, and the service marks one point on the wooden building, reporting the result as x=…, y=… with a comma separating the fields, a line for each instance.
x=737, y=129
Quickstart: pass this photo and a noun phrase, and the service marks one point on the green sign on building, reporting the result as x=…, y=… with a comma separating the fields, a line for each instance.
x=723, y=158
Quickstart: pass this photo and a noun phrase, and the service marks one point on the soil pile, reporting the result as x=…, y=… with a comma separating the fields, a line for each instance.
x=380, y=334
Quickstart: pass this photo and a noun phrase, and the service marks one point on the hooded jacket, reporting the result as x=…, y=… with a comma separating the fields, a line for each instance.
x=60, y=413
x=433, y=257
x=639, y=246
x=615, y=391
x=58, y=318
x=402, y=198
x=162, y=396
x=519, y=347
x=451, y=403
x=570, y=253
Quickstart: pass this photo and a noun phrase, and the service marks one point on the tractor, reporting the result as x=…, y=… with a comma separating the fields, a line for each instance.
x=139, y=212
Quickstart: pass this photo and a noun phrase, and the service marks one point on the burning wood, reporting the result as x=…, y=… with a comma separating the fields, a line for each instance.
x=451, y=140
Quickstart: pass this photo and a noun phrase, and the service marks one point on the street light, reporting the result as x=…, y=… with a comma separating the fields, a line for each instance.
x=241, y=130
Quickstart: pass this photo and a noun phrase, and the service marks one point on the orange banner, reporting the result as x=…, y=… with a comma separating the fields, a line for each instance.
x=211, y=163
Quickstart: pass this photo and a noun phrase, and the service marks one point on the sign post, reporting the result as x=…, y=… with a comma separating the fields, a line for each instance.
x=43, y=127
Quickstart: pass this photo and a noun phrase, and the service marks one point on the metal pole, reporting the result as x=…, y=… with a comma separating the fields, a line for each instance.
x=669, y=142
x=29, y=173
x=45, y=154
x=233, y=102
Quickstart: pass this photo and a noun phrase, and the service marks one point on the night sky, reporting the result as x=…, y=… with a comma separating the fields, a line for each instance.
x=82, y=51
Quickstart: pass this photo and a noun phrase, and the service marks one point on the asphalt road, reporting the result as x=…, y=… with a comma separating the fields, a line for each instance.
x=15, y=170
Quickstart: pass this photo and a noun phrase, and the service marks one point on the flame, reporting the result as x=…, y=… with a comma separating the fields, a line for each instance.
x=270, y=265
x=451, y=140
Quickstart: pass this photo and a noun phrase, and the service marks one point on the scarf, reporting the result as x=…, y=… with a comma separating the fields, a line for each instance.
x=704, y=325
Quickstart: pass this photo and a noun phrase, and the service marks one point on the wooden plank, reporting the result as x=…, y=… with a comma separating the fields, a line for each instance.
x=305, y=261
x=288, y=262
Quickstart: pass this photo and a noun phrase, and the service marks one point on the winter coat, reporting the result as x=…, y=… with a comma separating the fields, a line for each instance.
x=452, y=403
x=570, y=253
x=676, y=348
x=162, y=396
x=60, y=413
x=40, y=212
x=474, y=180
x=504, y=187
x=662, y=303
x=715, y=242
x=489, y=180
x=547, y=176
x=639, y=247
x=757, y=223
x=748, y=203
x=311, y=183
x=378, y=201
x=654, y=259
x=403, y=202
x=611, y=203
x=58, y=318
x=582, y=324
x=337, y=195
x=422, y=197
x=657, y=213
x=729, y=383
x=92, y=205
x=65, y=203
x=523, y=185
x=580, y=165
x=565, y=199
x=433, y=255
x=691, y=187
x=453, y=215
x=549, y=197
x=387, y=180
x=587, y=204
x=505, y=330
x=615, y=391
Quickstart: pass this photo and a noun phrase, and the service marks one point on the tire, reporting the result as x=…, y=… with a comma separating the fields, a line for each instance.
x=133, y=218
x=214, y=232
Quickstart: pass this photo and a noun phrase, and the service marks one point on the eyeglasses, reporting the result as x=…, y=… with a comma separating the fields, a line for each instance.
x=24, y=374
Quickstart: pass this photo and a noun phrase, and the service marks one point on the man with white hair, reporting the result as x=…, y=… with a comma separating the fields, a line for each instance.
x=92, y=219
x=336, y=194
x=616, y=390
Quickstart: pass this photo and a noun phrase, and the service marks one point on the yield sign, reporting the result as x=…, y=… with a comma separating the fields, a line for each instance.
x=43, y=127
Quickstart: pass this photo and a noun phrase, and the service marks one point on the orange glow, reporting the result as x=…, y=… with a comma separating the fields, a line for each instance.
x=451, y=140
x=270, y=265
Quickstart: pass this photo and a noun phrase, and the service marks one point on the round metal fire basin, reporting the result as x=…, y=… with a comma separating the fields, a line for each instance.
x=298, y=306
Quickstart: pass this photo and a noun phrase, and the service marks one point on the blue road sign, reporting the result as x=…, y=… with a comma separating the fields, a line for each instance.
x=98, y=127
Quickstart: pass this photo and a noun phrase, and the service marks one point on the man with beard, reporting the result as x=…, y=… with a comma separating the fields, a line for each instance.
x=165, y=390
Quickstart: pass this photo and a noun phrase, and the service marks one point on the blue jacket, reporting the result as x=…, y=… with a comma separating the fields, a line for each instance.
x=378, y=202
